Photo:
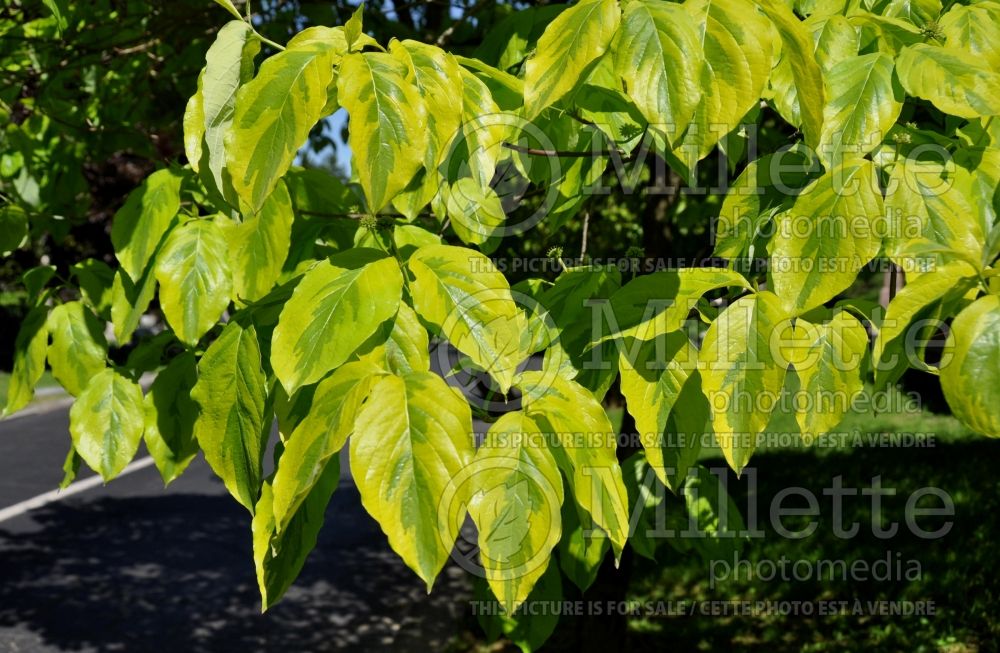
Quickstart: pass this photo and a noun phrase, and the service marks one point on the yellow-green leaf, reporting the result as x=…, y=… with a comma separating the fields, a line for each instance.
x=259, y=246
x=388, y=129
x=832, y=231
x=78, y=351
x=319, y=436
x=658, y=55
x=568, y=46
x=332, y=311
x=228, y=65
x=864, y=101
x=170, y=415
x=139, y=226
x=462, y=293
x=106, y=423
x=30, y=347
x=583, y=443
x=736, y=41
x=194, y=277
x=801, y=70
x=740, y=377
x=516, y=505
x=411, y=440
x=951, y=79
x=231, y=394
x=829, y=367
x=274, y=113
x=971, y=378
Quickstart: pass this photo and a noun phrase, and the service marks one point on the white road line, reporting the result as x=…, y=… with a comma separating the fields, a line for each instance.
x=73, y=488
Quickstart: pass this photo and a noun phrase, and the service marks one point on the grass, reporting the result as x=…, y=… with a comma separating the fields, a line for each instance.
x=956, y=573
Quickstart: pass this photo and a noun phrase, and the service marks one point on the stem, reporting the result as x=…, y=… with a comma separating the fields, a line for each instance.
x=986, y=128
x=562, y=153
x=263, y=38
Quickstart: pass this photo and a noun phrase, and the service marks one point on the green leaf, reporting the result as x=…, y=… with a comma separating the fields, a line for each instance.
x=567, y=410
x=437, y=76
x=655, y=304
x=230, y=7
x=232, y=424
x=713, y=515
x=740, y=377
x=229, y=63
x=924, y=203
x=975, y=29
x=78, y=351
x=828, y=362
x=766, y=185
x=170, y=414
x=912, y=301
x=95, y=279
x=411, y=440
x=71, y=466
x=529, y=629
x=658, y=55
x=950, y=79
x=475, y=211
x=400, y=345
x=195, y=278
x=836, y=39
x=273, y=116
x=106, y=423
x=736, y=41
x=30, y=347
x=461, y=292
x=193, y=124
x=13, y=228
x=919, y=12
x=971, y=379
x=798, y=59
x=831, y=232
x=35, y=281
x=484, y=129
x=130, y=301
x=645, y=499
x=580, y=554
x=511, y=40
x=332, y=311
x=408, y=238
x=864, y=103
x=148, y=214
x=388, y=128
x=353, y=28
x=259, y=246
x=573, y=41
x=279, y=557
x=58, y=9
x=516, y=506
x=318, y=437
x=568, y=327
x=652, y=381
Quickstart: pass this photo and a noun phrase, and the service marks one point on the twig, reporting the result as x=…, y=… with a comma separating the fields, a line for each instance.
x=466, y=15
x=561, y=153
x=583, y=244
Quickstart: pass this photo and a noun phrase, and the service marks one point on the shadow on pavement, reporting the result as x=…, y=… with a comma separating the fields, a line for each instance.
x=175, y=573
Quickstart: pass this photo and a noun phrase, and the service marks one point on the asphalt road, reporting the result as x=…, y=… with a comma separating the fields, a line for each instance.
x=134, y=567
